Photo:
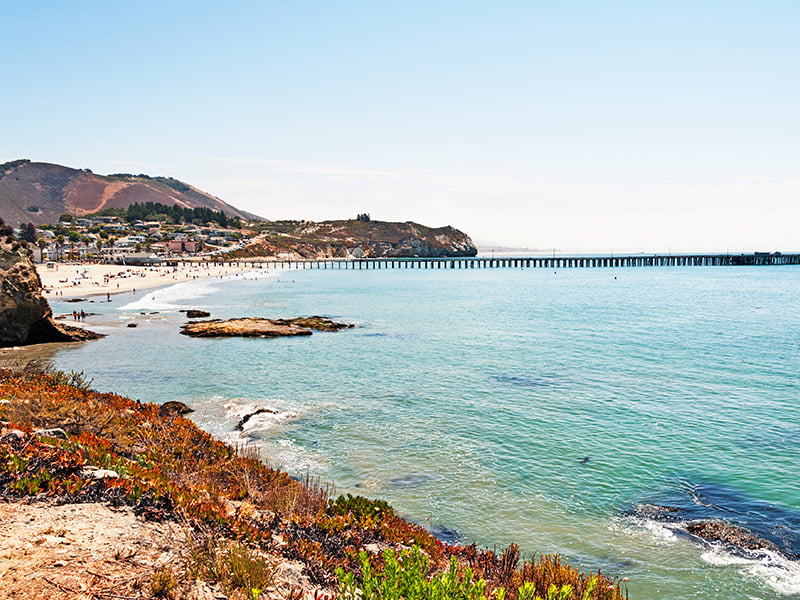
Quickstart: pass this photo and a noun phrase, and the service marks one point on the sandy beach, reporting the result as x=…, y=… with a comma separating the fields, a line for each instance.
x=66, y=280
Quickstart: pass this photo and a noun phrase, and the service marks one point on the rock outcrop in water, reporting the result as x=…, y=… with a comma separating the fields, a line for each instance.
x=717, y=531
x=25, y=315
x=258, y=327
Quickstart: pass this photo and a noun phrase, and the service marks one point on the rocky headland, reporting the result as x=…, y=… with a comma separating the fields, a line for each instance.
x=25, y=315
x=356, y=239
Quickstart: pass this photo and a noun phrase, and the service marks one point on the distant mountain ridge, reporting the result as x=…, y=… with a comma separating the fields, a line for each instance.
x=38, y=193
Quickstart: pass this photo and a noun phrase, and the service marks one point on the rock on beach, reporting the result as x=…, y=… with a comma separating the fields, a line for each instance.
x=173, y=408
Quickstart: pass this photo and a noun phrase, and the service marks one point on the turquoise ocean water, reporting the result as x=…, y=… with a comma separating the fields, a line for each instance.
x=556, y=410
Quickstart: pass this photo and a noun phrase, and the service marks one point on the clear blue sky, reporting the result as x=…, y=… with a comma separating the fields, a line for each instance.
x=578, y=125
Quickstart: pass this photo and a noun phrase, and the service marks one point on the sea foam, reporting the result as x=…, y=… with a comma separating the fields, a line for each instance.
x=180, y=295
x=778, y=572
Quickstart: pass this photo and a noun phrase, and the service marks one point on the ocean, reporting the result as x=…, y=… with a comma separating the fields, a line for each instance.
x=586, y=412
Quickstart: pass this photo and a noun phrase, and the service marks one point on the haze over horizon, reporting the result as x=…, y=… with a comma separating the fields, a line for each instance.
x=596, y=127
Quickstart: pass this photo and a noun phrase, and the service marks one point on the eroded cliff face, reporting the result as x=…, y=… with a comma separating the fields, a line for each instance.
x=25, y=315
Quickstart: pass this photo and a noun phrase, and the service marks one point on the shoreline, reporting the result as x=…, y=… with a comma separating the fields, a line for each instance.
x=235, y=512
x=69, y=281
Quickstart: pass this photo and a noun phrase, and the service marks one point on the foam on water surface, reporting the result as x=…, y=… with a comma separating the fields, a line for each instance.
x=781, y=574
x=181, y=295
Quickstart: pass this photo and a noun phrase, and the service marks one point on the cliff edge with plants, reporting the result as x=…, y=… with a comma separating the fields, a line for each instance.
x=222, y=525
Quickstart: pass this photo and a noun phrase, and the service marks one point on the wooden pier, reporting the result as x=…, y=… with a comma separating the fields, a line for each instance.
x=538, y=262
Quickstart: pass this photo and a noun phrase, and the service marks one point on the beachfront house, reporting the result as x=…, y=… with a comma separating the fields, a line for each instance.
x=183, y=246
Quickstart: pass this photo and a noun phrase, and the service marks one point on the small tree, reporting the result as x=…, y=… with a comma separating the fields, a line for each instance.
x=5, y=230
x=59, y=243
x=29, y=233
x=363, y=217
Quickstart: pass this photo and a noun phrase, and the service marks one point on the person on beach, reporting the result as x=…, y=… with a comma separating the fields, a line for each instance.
x=74, y=315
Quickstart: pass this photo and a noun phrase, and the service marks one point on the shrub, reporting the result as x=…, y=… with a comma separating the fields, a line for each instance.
x=163, y=583
x=406, y=577
x=365, y=512
x=235, y=566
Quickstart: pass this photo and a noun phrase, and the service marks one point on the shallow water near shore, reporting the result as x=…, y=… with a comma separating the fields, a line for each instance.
x=496, y=406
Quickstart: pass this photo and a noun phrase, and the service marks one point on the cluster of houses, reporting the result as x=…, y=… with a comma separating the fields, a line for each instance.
x=109, y=239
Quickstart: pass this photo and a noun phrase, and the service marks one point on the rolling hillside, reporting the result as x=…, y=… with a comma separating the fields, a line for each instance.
x=41, y=192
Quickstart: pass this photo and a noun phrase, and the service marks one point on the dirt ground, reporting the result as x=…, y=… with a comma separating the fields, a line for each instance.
x=81, y=551
x=96, y=552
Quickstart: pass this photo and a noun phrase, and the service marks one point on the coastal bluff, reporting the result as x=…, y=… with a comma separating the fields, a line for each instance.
x=356, y=239
x=25, y=315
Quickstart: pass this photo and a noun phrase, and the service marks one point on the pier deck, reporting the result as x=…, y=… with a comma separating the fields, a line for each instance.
x=538, y=262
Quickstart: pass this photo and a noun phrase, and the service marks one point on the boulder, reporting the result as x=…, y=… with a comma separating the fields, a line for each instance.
x=92, y=472
x=197, y=314
x=56, y=433
x=25, y=315
x=173, y=408
x=12, y=435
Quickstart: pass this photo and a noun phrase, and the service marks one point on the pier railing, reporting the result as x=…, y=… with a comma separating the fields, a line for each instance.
x=538, y=262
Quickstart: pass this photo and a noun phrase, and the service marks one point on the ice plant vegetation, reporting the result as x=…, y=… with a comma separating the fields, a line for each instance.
x=244, y=517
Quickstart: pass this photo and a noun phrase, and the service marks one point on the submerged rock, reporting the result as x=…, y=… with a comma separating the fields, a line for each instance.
x=657, y=511
x=259, y=327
